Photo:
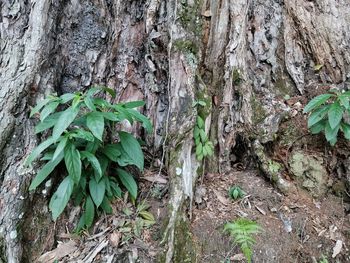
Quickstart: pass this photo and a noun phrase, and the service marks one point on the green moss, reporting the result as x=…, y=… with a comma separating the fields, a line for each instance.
x=259, y=113
x=190, y=17
x=184, y=247
x=236, y=76
x=186, y=46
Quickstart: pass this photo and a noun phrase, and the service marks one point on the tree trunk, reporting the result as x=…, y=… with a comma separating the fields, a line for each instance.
x=242, y=57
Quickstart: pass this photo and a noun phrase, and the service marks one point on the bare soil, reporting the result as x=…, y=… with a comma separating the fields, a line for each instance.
x=297, y=228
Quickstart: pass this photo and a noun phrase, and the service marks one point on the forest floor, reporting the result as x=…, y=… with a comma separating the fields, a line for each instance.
x=297, y=228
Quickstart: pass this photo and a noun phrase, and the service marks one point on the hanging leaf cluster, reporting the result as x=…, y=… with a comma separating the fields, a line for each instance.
x=204, y=147
x=327, y=112
x=83, y=137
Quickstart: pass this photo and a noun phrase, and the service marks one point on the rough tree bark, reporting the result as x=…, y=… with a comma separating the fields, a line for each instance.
x=241, y=56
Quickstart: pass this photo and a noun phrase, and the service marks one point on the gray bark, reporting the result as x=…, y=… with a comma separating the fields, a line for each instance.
x=243, y=55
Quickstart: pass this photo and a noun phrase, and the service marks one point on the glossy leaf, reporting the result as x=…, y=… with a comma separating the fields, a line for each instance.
x=60, y=147
x=95, y=123
x=330, y=133
x=61, y=197
x=97, y=191
x=89, y=212
x=316, y=102
x=64, y=120
x=45, y=171
x=146, y=123
x=200, y=122
x=133, y=149
x=48, y=109
x=134, y=104
x=39, y=149
x=344, y=100
x=66, y=97
x=335, y=114
x=128, y=181
x=346, y=130
x=318, y=127
x=89, y=103
x=38, y=106
x=82, y=134
x=106, y=206
x=73, y=162
x=49, y=122
x=94, y=163
x=317, y=115
x=112, y=151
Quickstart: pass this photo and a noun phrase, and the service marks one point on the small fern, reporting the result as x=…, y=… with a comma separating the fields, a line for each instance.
x=242, y=231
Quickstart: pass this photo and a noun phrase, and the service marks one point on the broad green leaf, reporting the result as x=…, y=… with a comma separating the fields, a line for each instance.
x=110, y=91
x=67, y=97
x=200, y=122
x=61, y=197
x=335, y=114
x=97, y=191
x=64, y=120
x=199, y=149
x=76, y=101
x=203, y=135
x=89, y=212
x=318, y=127
x=47, y=156
x=317, y=115
x=196, y=132
x=132, y=147
x=60, y=147
x=93, y=146
x=344, y=100
x=38, y=107
x=48, y=109
x=93, y=91
x=346, y=130
x=111, y=116
x=82, y=134
x=317, y=101
x=73, y=162
x=95, y=123
x=81, y=224
x=128, y=181
x=106, y=206
x=39, y=149
x=49, y=122
x=330, y=133
x=94, y=163
x=134, y=104
x=117, y=192
x=89, y=103
x=124, y=113
x=45, y=172
x=146, y=123
x=112, y=151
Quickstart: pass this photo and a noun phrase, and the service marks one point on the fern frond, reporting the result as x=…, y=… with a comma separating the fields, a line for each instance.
x=242, y=230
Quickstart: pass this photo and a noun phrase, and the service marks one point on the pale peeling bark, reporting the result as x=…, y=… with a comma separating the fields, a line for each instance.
x=244, y=55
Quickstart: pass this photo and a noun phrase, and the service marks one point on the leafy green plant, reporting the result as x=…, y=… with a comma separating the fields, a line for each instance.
x=204, y=147
x=327, y=112
x=242, y=230
x=235, y=192
x=83, y=137
x=323, y=259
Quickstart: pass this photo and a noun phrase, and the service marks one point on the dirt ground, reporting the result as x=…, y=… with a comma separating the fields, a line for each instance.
x=297, y=228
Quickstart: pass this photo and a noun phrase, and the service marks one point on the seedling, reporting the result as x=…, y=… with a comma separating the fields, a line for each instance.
x=242, y=231
x=328, y=113
x=236, y=192
x=83, y=137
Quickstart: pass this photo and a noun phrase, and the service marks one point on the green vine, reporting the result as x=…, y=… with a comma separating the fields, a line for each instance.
x=204, y=147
